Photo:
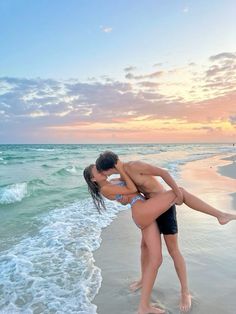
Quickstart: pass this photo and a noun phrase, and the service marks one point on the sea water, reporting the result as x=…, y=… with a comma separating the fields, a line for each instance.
x=49, y=227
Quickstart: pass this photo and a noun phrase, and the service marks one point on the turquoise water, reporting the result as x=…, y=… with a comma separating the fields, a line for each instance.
x=49, y=227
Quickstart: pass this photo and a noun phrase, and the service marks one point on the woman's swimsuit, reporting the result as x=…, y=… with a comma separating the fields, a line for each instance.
x=167, y=222
x=118, y=197
x=133, y=200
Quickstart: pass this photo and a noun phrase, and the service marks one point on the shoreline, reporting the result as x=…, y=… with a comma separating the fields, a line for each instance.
x=220, y=171
x=111, y=257
x=230, y=171
x=119, y=253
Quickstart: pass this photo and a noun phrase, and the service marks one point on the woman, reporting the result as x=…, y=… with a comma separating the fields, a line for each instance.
x=144, y=213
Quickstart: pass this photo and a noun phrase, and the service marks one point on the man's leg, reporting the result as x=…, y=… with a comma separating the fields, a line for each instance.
x=171, y=241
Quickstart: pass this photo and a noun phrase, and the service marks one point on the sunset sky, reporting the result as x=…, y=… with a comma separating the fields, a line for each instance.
x=82, y=71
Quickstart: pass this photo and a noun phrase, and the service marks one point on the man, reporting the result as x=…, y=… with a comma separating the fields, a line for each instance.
x=143, y=175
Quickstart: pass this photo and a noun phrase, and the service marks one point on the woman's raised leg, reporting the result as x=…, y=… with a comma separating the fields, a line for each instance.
x=145, y=212
x=196, y=203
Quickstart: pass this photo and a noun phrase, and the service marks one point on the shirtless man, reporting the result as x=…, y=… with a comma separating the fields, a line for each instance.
x=143, y=175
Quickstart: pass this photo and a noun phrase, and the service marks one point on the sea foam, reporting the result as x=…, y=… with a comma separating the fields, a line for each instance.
x=55, y=271
x=13, y=193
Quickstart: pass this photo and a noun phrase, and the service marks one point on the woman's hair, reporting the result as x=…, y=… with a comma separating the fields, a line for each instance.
x=94, y=189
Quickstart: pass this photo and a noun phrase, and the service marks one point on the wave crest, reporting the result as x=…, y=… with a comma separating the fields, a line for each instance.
x=13, y=193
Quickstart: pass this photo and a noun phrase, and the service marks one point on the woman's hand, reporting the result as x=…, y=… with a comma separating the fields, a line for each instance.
x=124, y=200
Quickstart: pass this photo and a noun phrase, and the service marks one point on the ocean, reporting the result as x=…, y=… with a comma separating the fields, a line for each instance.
x=49, y=227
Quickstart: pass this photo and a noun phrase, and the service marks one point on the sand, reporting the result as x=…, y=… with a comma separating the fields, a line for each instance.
x=209, y=250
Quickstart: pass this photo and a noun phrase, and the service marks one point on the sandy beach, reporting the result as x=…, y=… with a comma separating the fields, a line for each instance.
x=209, y=249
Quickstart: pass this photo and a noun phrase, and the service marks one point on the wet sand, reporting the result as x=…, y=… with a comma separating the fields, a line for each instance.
x=209, y=250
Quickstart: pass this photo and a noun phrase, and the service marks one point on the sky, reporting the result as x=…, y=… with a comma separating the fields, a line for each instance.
x=81, y=71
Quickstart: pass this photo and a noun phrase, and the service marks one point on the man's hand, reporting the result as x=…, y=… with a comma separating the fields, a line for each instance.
x=119, y=165
x=180, y=198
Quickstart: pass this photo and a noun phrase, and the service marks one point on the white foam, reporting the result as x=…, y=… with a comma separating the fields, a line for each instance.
x=13, y=193
x=54, y=271
x=42, y=149
x=71, y=169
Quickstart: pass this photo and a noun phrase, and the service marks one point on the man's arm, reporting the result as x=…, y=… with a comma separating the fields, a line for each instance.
x=147, y=169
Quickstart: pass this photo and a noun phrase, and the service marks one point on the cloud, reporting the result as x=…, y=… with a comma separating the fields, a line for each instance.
x=205, y=96
x=232, y=120
x=153, y=75
x=205, y=128
x=148, y=84
x=220, y=76
x=186, y=9
x=76, y=102
x=106, y=29
x=223, y=55
x=130, y=68
x=158, y=64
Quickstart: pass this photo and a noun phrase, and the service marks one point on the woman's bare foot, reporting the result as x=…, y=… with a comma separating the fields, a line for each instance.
x=150, y=310
x=135, y=285
x=185, y=302
x=226, y=217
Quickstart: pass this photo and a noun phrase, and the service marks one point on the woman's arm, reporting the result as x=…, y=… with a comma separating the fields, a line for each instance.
x=111, y=189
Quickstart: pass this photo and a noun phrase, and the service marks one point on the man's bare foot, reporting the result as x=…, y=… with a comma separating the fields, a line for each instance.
x=150, y=310
x=226, y=217
x=135, y=285
x=185, y=302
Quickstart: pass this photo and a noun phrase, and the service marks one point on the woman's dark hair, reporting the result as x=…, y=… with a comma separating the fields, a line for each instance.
x=106, y=161
x=94, y=189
